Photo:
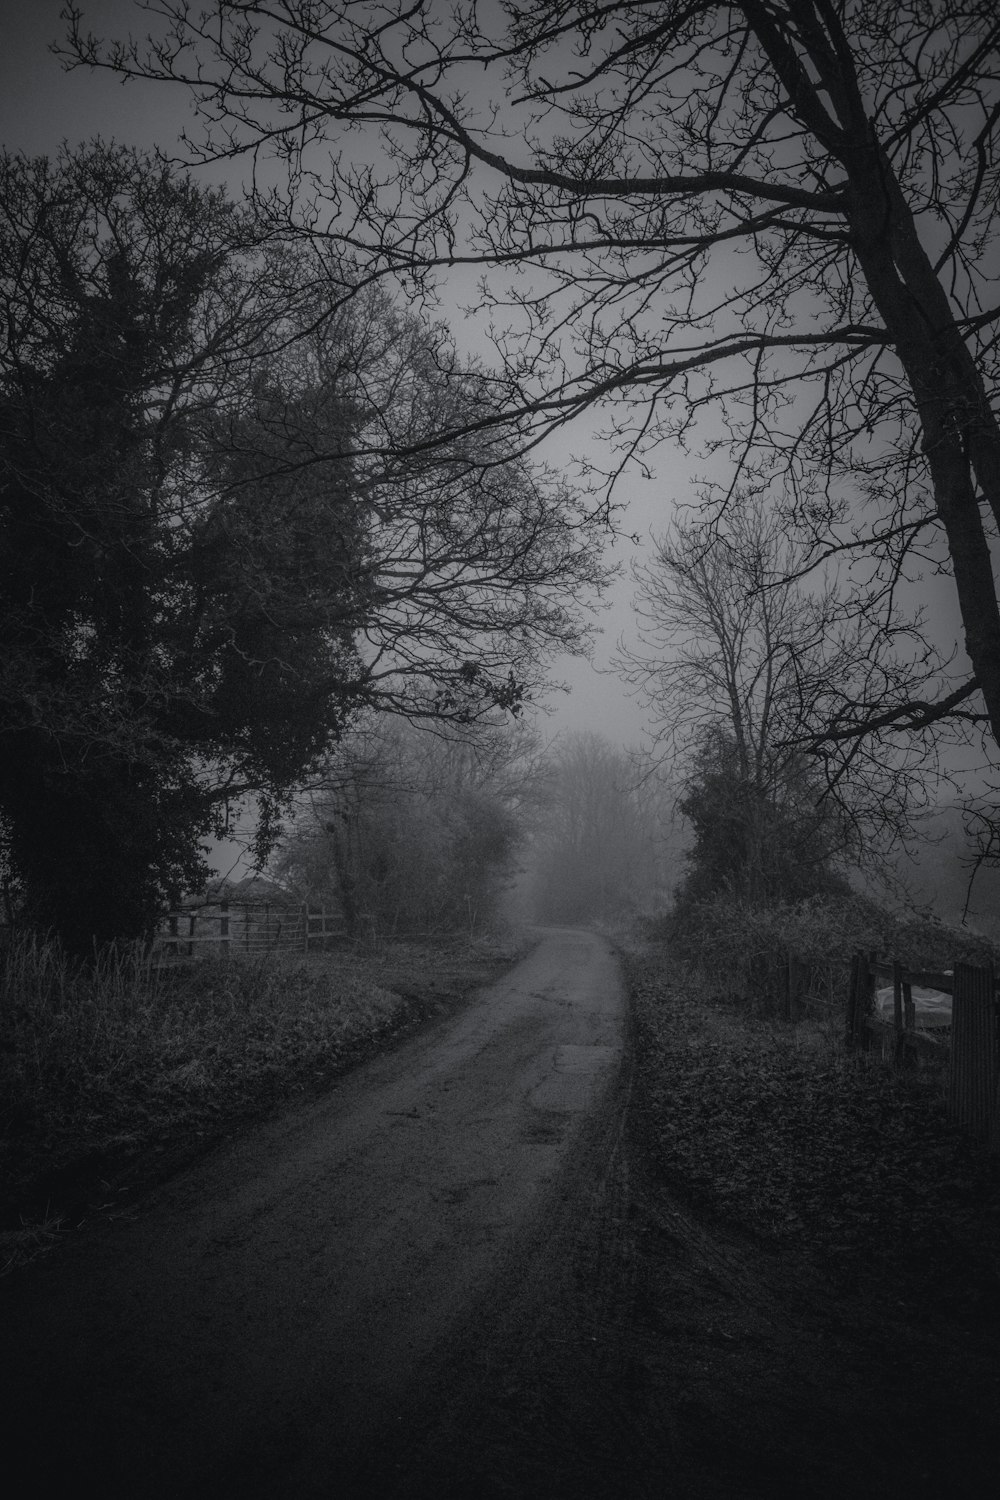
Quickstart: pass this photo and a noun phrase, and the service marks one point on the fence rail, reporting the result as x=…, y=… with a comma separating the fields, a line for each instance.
x=243, y=927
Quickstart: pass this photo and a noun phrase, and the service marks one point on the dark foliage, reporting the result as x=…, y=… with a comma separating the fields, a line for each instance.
x=209, y=495
x=767, y=229
x=157, y=614
x=828, y=1155
x=760, y=840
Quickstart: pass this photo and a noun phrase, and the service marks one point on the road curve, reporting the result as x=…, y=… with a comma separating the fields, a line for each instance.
x=267, y=1321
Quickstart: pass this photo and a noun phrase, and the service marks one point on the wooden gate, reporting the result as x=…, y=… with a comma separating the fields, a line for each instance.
x=224, y=927
x=973, y=1046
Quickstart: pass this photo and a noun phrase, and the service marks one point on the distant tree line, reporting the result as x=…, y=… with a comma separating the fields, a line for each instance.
x=410, y=832
x=603, y=846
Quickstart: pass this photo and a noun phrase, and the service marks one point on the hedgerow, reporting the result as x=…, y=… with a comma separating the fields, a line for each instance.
x=822, y=1153
x=741, y=950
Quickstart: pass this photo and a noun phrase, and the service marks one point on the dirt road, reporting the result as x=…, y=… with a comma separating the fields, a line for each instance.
x=298, y=1313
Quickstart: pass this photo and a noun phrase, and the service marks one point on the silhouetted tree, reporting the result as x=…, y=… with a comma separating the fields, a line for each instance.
x=758, y=842
x=142, y=665
x=768, y=225
x=212, y=555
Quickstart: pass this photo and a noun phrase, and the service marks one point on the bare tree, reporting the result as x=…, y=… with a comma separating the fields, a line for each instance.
x=480, y=565
x=211, y=554
x=732, y=651
x=407, y=830
x=767, y=226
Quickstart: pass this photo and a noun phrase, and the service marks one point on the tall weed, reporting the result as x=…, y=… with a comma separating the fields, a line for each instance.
x=122, y=1049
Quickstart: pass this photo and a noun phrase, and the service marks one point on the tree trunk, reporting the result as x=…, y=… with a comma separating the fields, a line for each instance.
x=961, y=439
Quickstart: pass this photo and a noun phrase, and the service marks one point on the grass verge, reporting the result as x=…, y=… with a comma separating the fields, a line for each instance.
x=101, y=1068
x=776, y=1129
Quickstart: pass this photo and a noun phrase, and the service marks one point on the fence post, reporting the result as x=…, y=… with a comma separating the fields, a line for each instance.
x=224, y=928
x=857, y=1003
x=850, y=1027
x=974, y=1068
x=903, y=1018
x=866, y=999
x=910, y=1053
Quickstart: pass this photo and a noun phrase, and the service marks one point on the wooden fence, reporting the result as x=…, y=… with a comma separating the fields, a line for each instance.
x=224, y=927
x=969, y=1049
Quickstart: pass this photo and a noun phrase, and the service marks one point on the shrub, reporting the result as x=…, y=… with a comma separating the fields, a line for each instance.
x=741, y=950
x=115, y=1053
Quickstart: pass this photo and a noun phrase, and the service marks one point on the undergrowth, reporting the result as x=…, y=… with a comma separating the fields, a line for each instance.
x=105, y=1060
x=742, y=950
x=776, y=1129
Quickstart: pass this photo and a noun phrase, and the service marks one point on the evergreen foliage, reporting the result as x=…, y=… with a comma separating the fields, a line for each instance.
x=757, y=843
x=216, y=542
x=154, y=626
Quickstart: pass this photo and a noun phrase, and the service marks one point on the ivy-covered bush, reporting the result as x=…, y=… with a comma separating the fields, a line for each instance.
x=741, y=951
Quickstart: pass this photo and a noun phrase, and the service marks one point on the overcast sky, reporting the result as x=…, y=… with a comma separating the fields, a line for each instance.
x=41, y=106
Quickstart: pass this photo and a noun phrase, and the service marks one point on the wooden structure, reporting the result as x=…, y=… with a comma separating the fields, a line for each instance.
x=220, y=928
x=970, y=1049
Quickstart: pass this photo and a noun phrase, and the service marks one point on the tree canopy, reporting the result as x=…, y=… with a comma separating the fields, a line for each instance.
x=764, y=228
x=409, y=831
x=144, y=673
x=211, y=555
x=755, y=842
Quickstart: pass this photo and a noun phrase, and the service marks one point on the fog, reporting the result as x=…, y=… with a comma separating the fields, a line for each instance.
x=42, y=106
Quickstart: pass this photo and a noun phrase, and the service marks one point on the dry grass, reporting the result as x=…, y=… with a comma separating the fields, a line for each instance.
x=104, y=1061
